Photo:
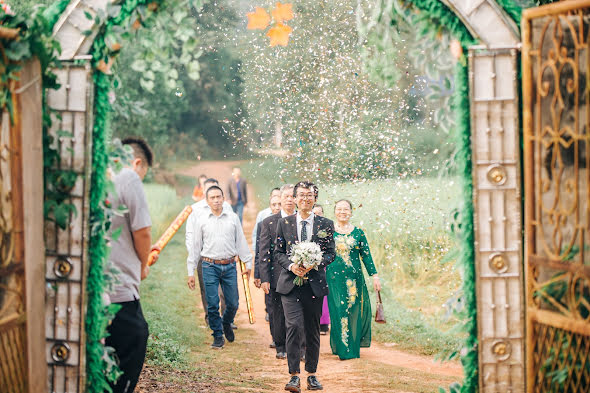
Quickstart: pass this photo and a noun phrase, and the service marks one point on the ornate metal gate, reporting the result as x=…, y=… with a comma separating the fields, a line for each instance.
x=556, y=119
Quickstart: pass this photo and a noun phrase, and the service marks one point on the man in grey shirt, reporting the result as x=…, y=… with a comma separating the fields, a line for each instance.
x=218, y=241
x=128, y=333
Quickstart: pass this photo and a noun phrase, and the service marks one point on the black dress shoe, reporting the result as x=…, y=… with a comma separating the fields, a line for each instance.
x=294, y=385
x=229, y=332
x=313, y=383
x=218, y=343
x=281, y=355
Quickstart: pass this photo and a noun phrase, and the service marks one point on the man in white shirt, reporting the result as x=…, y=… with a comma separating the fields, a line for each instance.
x=218, y=241
x=198, y=209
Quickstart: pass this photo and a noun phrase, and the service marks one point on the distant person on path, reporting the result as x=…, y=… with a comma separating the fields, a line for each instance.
x=348, y=300
x=217, y=242
x=238, y=194
x=128, y=333
x=303, y=304
x=199, y=190
x=325, y=319
x=270, y=269
x=198, y=209
x=275, y=207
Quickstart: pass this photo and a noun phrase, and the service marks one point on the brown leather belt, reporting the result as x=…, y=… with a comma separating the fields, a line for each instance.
x=219, y=261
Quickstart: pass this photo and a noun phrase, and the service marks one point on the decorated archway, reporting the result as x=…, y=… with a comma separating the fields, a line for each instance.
x=486, y=105
x=487, y=108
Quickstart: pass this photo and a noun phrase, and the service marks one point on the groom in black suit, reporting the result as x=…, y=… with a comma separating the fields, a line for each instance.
x=303, y=304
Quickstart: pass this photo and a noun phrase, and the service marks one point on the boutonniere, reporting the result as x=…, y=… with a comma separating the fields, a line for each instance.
x=322, y=234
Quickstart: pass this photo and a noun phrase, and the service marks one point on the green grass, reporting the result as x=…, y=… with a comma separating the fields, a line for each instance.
x=171, y=317
x=408, y=224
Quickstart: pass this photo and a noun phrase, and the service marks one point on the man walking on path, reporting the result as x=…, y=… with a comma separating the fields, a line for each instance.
x=128, y=333
x=238, y=194
x=270, y=268
x=303, y=304
x=218, y=241
x=275, y=207
x=199, y=208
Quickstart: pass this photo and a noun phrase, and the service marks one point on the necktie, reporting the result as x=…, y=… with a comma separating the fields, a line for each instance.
x=303, y=231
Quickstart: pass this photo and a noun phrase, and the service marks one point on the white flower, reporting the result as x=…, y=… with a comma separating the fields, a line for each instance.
x=306, y=254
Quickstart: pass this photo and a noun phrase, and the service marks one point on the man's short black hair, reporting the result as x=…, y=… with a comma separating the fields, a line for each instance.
x=306, y=184
x=275, y=189
x=211, y=180
x=213, y=188
x=141, y=149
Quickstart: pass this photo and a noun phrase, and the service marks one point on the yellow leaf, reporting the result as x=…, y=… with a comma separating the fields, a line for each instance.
x=258, y=19
x=279, y=34
x=282, y=12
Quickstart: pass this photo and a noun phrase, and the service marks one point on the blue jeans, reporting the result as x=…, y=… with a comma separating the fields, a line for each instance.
x=226, y=276
x=239, y=209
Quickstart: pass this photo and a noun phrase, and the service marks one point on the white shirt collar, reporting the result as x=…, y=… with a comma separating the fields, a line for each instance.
x=308, y=219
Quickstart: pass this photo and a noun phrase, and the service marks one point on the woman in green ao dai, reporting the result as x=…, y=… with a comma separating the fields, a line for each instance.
x=348, y=298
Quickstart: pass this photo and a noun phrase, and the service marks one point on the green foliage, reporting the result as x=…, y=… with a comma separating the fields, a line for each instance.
x=170, y=331
x=180, y=87
x=466, y=261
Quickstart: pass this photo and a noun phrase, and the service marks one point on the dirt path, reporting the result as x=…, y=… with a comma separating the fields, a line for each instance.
x=379, y=369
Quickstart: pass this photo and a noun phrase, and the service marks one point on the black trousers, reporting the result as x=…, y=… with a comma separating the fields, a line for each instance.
x=269, y=311
x=128, y=335
x=277, y=315
x=302, y=320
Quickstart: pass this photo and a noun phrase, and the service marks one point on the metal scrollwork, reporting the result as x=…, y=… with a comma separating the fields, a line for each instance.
x=557, y=179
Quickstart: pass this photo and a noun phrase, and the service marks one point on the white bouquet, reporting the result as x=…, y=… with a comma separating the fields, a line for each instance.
x=305, y=254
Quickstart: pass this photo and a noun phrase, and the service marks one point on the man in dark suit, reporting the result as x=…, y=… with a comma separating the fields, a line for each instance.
x=238, y=193
x=275, y=208
x=303, y=304
x=270, y=269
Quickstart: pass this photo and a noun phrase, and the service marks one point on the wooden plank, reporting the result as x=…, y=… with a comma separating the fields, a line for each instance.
x=32, y=203
x=560, y=7
x=559, y=321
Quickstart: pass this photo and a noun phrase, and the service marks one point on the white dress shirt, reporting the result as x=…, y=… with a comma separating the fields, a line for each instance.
x=214, y=237
x=308, y=228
